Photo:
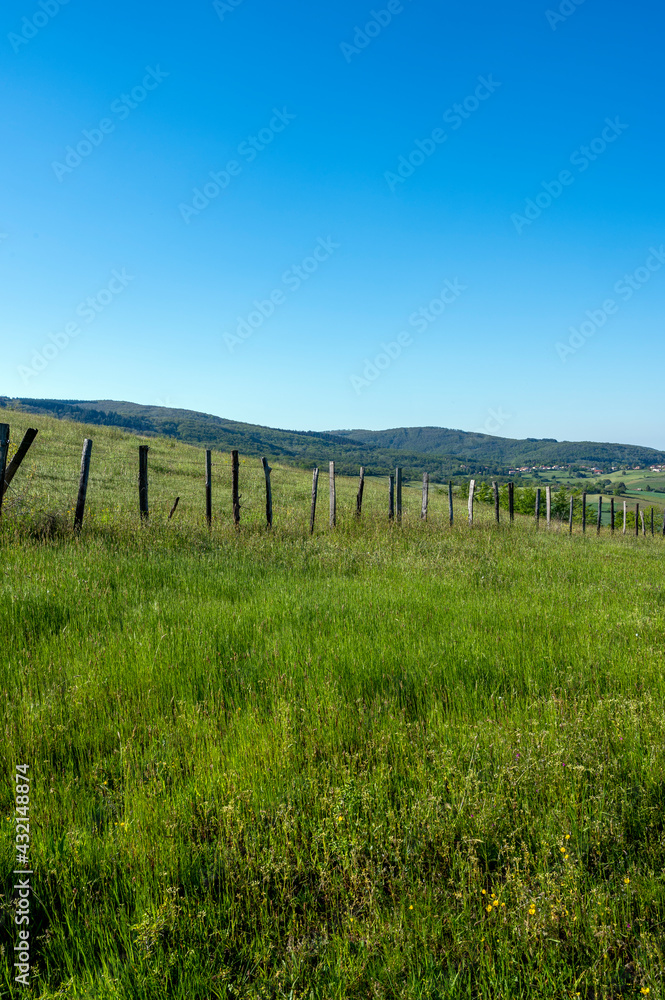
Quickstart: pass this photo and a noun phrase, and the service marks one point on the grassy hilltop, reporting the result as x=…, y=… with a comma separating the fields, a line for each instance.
x=383, y=761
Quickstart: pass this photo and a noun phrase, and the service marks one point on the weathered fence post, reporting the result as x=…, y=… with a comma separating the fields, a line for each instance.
x=511, y=501
x=208, y=488
x=612, y=514
x=425, y=503
x=4, y=452
x=495, y=487
x=570, y=517
x=637, y=519
x=333, y=495
x=391, y=497
x=143, y=481
x=652, y=522
x=361, y=489
x=538, y=507
x=600, y=515
x=624, y=517
x=398, y=494
x=12, y=468
x=4, y=448
x=235, y=487
x=644, y=530
x=315, y=486
x=583, y=513
x=450, y=502
x=83, y=484
x=266, y=471
x=472, y=487
x=548, y=504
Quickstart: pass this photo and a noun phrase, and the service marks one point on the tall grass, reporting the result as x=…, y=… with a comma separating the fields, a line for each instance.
x=384, y=761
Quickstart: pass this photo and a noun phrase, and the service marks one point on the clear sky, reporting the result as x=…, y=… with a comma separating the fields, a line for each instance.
x=346, y=215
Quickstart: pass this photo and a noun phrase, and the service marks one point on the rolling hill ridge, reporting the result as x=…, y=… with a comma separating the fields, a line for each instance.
x=443, y=452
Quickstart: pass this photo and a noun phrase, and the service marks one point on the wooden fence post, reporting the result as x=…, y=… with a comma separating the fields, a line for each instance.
x=583, y=513
x=12, y=468
x=391, y=497
x=4, y=448
x=600, y=515
x=495, y=487
x=235, y=487
x=472, y=487
x=612, y=514
x=315, y=486
x=644, y=530
x=208, y=488
x=538, y=507
x=398, y=494
x=266, y=471
x=425, y=503
x=333, y=495
x=511, y=501
x=83, y=484
x=361, y=490
x=637, y=519
x=548, y=504
x=143, y=481
x=450, y=502
x=570, y=518
x=624, y=517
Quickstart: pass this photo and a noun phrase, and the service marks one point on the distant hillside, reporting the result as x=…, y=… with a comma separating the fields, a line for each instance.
x=505, y=452
x=442, y=452
x=304, y=449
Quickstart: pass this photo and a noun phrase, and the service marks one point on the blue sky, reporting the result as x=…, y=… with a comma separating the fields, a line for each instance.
x=406, y=213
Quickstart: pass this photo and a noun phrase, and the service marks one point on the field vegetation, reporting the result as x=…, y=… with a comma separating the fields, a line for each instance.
x=382, y=761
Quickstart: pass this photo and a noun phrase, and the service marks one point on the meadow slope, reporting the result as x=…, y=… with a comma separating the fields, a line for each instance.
x=391, y=761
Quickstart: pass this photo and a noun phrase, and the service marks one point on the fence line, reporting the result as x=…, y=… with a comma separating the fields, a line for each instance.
x=642, y=518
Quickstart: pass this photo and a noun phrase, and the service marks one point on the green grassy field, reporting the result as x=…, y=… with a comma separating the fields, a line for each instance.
x=380, y=762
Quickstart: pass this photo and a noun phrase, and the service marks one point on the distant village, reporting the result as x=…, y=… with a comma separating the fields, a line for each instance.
x=595, y=471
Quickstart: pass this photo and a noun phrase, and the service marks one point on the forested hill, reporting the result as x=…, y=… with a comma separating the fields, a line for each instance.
x=442, y=452
x=505, y=451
